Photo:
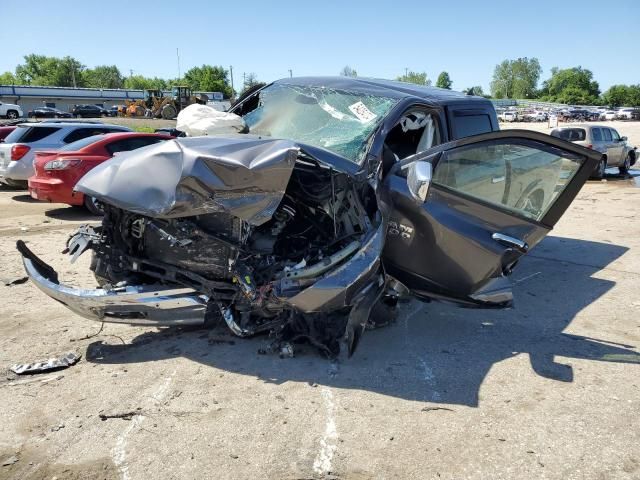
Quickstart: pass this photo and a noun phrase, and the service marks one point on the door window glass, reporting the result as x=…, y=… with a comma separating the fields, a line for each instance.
x=597, y=134
x=607, y=134
x=467, y=125
x=614, y=135
x=520, y=176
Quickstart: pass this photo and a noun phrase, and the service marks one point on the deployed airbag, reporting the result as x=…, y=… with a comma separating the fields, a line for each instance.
x=198, y=120
x=242, y=175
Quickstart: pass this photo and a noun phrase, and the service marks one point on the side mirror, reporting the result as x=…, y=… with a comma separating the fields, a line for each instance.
x=418, y=179
x=623, y=139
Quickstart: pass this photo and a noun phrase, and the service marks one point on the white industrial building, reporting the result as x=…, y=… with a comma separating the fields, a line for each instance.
x=64, y=98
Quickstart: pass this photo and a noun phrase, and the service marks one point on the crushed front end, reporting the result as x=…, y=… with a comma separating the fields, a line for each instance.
x=252, y=233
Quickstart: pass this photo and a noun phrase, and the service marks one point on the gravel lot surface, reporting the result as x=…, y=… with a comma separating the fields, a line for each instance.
x=549, y=389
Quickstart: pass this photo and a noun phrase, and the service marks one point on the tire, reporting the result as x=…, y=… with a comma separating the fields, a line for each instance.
x=624, y=168
x=169, y=112
x=602, y=166
x=12, y=114
x=93, y=207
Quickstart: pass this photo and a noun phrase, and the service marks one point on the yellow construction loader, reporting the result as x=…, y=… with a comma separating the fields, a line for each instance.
x=156, y=105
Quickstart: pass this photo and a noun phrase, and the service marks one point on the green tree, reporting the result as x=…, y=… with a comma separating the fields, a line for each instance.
x=444, y=81
x=477, y=90
x=516, y=78
x=251, y=83
x=574, y=86
x=347, y=71
x=415, y=77
x=208, y=78
x=622, y=96
x=103, y=76
x=50, y=71
x=140, y=82
x=8, y=78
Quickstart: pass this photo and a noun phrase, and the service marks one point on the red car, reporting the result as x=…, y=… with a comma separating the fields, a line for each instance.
x=6, y=130
x=57, y=172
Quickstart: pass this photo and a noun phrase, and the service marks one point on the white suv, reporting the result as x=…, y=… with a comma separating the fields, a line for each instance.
x=9, y=110
x=18, y=150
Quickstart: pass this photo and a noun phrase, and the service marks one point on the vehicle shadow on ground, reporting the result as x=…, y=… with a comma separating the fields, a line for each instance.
x=631, y=178
x=434, y=352
x=24, y=198
x=72, y=214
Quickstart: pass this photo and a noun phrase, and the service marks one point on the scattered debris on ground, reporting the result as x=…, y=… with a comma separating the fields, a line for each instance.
x=56, y=363
x=433, y=409
x=8, y=282
x=124, y=415
x=10, y=461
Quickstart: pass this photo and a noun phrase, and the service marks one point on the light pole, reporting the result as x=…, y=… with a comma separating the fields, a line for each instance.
x=178, y=57
x=290, y=73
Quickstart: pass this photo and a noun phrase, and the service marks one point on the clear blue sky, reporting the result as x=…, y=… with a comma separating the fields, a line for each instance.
x=378, y=39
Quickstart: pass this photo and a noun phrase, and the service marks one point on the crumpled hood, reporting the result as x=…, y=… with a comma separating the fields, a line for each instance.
x=243, y=175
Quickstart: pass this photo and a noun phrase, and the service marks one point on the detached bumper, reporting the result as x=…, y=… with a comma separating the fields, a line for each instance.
x=150, y=305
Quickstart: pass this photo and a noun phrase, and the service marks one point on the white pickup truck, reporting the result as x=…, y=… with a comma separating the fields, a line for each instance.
x=9, y=110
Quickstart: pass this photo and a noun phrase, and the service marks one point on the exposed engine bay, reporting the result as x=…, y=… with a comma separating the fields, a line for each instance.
x=249, y=274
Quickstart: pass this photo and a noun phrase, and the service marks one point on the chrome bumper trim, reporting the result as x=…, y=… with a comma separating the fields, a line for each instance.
x=149, y=305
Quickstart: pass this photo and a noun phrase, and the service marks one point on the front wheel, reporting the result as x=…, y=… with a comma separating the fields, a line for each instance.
x=12, y=114
x=93, y=206
x=624, y=168
x=602, y=166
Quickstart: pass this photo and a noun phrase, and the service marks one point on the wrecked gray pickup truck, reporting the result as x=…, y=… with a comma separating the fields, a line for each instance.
x=342, y=195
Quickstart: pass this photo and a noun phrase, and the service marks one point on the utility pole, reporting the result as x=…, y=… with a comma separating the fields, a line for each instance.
x=178, y=56
x=73, y=72
x=244, y=79
x=231, y=77
x=290, y=73
x=130, y=72
x=406, y=72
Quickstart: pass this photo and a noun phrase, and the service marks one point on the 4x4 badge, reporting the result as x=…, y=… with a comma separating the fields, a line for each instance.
x=397, y=229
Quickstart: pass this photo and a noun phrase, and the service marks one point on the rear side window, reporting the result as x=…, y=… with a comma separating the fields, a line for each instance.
x=607, y=134
x=469, y=125
x=596, y=133
x=81, y=133
x=30, y=134
x=570, y=134
x=128, y=144
x=79, y=144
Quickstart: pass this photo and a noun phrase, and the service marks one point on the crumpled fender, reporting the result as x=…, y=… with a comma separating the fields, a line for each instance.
x=243, y=175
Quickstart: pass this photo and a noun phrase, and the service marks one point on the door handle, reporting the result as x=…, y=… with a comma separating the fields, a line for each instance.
x=498, y=179
x=516, y=243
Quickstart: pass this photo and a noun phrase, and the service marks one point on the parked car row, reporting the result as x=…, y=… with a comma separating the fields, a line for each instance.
x=50, y=157
x=568, y=114
x=12, y=111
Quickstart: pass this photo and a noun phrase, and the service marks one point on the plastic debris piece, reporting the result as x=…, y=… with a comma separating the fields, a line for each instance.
x=124, y=416
x=10, y=461
x=14, y=281
x=64, y=361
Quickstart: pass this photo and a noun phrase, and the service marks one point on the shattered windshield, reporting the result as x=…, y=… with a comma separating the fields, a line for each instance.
x=337, y=120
